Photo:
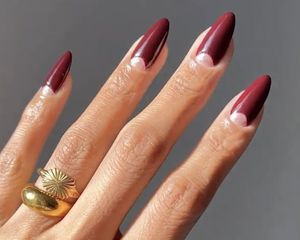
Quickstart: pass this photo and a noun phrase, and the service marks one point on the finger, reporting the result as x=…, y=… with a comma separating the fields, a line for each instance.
x=84, y=144
x=185, y=194
x=19, y=156
x=144, y=142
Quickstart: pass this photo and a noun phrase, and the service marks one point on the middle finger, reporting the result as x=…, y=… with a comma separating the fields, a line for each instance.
x=144, y=142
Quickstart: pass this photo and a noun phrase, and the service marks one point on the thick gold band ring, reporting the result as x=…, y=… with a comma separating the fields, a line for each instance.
x=50, y=201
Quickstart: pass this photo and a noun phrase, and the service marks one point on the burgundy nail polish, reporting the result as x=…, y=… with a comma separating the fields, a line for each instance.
x=151, y=44
x=250, y=103
x=59, y=72
x=217, y=40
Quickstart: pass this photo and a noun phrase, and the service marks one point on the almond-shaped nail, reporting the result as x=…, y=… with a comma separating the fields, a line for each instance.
x=150, y=45
x=250, y=103
x=216, y=41
x=58, y=73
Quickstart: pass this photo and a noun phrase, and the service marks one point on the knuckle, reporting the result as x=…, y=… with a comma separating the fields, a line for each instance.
x=75, y=147
x=190, y=82
x=173, y=193
x=10, y=162
x=182, y=85
x=217, y=143
x=184, y=196
x=120, y=84
x=139, y=146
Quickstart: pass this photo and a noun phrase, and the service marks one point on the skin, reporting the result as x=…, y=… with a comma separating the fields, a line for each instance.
x=130, y=152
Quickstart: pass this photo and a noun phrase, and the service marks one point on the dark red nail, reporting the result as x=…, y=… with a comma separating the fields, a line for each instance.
x=216, y=41
x=250, y=103
x=151, y=44
x=59, y=72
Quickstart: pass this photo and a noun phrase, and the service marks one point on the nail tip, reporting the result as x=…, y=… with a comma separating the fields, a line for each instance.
x=68, y=56
x=165, y=21
x=268, y=78
x=230, y=18
x=265, y=81
x=68, y=52
x=230, y=15
x=164, y=24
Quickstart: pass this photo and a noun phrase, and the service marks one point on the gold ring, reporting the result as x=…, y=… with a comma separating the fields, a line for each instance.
x=50, y=201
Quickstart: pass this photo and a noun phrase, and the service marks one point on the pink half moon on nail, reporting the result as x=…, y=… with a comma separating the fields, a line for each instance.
x=47, y=91
x=138, y=62
x=205, y=59
x=239, y=119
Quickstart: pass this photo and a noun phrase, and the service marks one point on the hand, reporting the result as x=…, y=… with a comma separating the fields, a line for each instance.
x=112, y=160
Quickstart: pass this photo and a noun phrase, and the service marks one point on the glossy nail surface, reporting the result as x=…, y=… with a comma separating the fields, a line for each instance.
x=217, y=40
x=150, y=45
x=250, y=103
x=59, y=72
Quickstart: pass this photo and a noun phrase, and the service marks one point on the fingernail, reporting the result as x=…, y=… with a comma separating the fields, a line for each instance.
x=58, y=74
x=216, y=41
x=150, y=45
x=250, y=103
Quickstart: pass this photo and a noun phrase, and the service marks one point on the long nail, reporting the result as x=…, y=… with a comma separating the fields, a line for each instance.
x=150, y=45
x=58, y=74
x=250, y=103
x=216, y=41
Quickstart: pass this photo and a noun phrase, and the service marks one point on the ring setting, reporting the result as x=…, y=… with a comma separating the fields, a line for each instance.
x=51, y=200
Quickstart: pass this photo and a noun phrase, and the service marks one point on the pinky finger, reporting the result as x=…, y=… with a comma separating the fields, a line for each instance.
x=185, y=194
x=19, y=156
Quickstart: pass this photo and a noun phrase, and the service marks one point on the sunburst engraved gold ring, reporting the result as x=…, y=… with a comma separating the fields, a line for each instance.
x=52, y=199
